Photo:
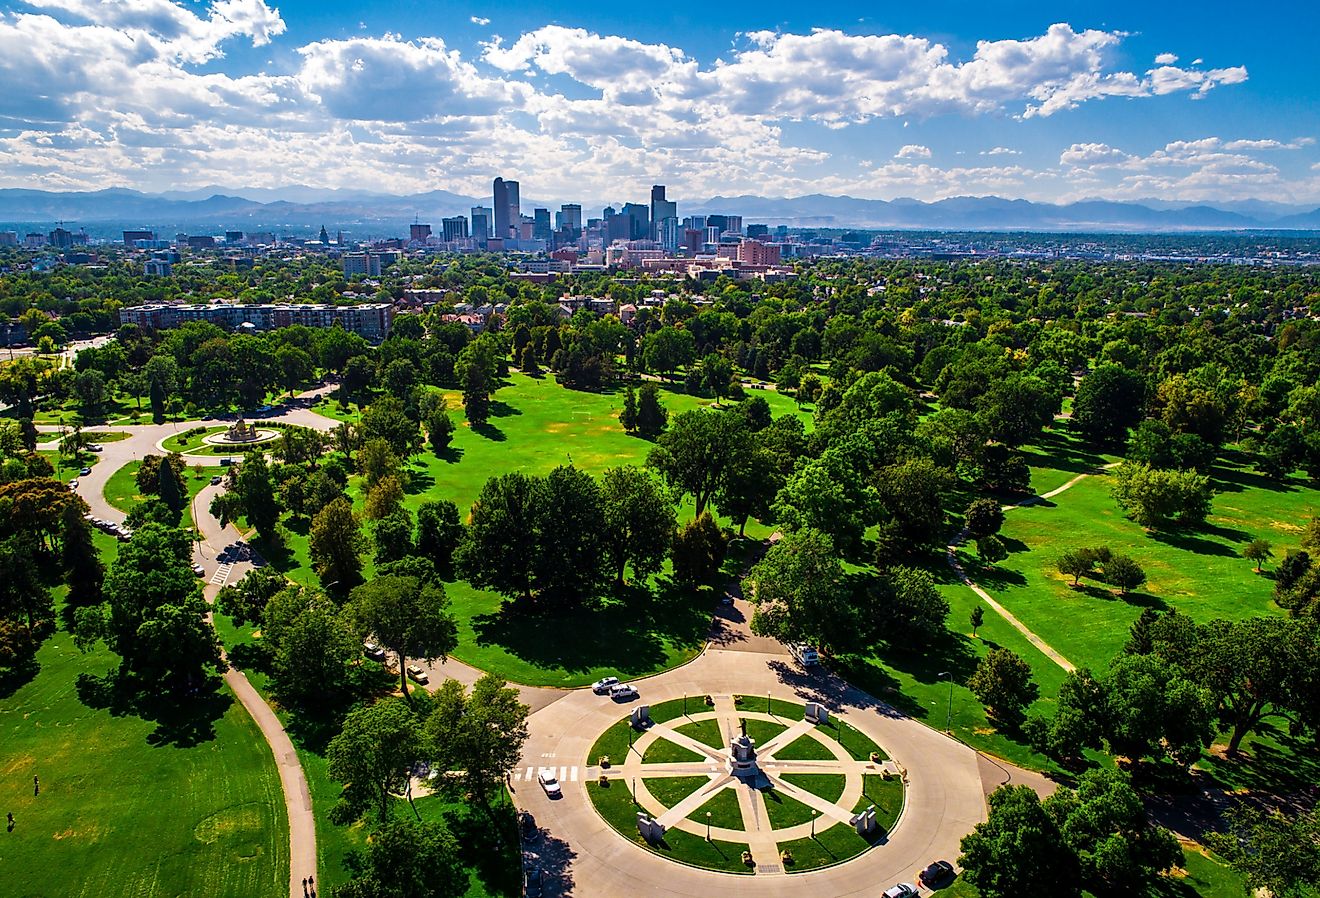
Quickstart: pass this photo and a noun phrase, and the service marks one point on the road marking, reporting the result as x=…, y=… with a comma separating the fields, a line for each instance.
x=573, y=774
x=563, y=774
x=530, y=774
x=221, y=574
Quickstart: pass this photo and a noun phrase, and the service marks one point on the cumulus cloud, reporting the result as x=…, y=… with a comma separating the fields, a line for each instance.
x=913, y=151
x=1001, y=151
x=479, y=20
x=1166, y=59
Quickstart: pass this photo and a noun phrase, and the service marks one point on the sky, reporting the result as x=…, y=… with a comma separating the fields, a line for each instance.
x=1049, y=102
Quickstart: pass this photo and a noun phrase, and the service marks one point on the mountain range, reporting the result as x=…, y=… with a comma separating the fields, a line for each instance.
x=366, y=214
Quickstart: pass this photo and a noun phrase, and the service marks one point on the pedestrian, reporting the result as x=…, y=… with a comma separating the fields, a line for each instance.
x=36, y=786
x=11, y=821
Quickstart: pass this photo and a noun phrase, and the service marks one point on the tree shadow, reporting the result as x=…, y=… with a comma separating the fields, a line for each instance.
x=1195, y=544
x=419, y=481
x=501, y=409
x=19, y=675
x=450, y=455
x=489, y=431
x=183, y=720
x=994, y=577
x=275, y=552
x=1235, y=480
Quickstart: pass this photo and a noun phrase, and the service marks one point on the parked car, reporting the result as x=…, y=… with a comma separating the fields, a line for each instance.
x=73, y=484
x=902, y=890
x=94, y=447
x=373, y=651
x=532, y=888
x=84, y=471
x=199, y=570
x=805, y=654
x=623, y=692
x=215, y=480
x=417, y=675
x=936, y=873
x=226, y=462
x=549, y=783
x=602, y=686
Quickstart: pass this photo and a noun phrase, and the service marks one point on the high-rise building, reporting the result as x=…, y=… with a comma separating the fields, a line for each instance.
x=669, y=233
x=508, y=209
x=640, y=227
x=540, y=224
x=418, y=233
x=661, y=208
x=617, y=226
x=481, y=223
x=132, y=237
x=570, y=217
x=453, y=229
x=695, y=222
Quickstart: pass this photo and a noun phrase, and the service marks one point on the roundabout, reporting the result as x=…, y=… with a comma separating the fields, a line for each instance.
x=587, y=841
x=745, y=783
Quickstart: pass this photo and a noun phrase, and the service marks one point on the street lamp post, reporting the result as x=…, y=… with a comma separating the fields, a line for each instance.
x=813, y=823
x=708, y=826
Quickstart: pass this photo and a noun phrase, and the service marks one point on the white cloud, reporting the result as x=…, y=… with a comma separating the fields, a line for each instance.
x=479, y=20
x=913, y=151
x=1166, y=59
x=1001, y=151
x=1269, y=144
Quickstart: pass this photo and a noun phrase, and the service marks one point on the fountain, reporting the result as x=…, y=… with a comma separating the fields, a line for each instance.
x=239, y=433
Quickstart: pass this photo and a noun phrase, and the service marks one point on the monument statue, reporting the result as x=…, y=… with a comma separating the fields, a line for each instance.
x=241, y=432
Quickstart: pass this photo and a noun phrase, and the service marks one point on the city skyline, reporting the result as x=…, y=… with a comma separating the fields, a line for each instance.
x=1052, y=104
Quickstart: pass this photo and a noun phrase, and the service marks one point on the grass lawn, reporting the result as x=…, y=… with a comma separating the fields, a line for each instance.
x=886, y=795
x=723, y=809
x=615, y=804
x=121, y=489
x=676, y=708
x=670, y=790
x=131, y=806
x=784, y=811
x=614, y=742
x=706, y=732
x=186, y=441
x=790, y=712
x=804, y=748
x=662, y=751
x=828, y=786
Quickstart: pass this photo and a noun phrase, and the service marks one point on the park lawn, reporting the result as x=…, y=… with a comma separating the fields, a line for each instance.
x=662, y=751
x=128, y=806
x=187, y=441
x=121, y=489
x=1059, y=456
x=615, y=804
x=804, y=748
x=1201, y=573
x=723, y=809
x=828, y=786
x=676, y=708
x=886, y=795
x=776, y=707
x=670, y=790
x=784, y=811
x=707, y=732
x=1202, y=876
x=614, y=743
x=832, y=845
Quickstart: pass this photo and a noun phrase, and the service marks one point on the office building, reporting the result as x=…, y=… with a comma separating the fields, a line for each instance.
x=371, y=320
x=570, y=217
x=419, y=233
x=508, y=209
x=540, y=224
x=482, y=219
x=758, y=230
x=453, y=229
x=640, y=226
x=131, y=238
x=669, y=233
x=661, y=208
x=158, y=268
x=695, y=223
x=361, y=264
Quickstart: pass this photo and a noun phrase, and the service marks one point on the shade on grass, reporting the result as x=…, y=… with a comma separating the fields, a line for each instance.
x=828, y=786
x=615, y=804
x=191, y=805
x=723, y=808
x=886, y=795
x=782, y=810
x=804, y=748
x=762, y=731
x=122, y=493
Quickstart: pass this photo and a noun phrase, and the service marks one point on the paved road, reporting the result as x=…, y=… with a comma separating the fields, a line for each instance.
x=582, y=856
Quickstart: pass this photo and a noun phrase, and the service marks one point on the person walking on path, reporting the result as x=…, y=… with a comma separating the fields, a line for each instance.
x=36, y=786
x=11, y=821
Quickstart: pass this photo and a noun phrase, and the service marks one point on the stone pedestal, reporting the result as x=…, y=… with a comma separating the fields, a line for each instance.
x=742, y=757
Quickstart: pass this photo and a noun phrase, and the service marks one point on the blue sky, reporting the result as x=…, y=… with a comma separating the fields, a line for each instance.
x=1059, y=101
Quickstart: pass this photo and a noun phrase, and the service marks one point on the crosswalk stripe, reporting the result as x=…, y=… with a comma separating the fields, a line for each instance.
x=573, y=774
x=530, y=775
x=563, y=774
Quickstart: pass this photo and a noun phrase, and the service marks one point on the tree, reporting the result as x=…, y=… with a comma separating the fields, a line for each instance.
x=991, y=550
x=571, y=562
x=409, y=617
x=1158, y=499
x=439, y=426
x=668, y=349
x=481, y=734
x=295, y=366
x=639, y=522
x=156, y=619
x=1277, y=854
x=1258, y=550
x=1123, y=572
x=1109, y=402
x=1075, y=564
x=983, y=518
x=83, y=569
x=91, y=390
x=697, y=452
x=336, y=544
x=1002, y=681
x=246, y=600
x=500, y=551
x=906, y=608
x=1103, y=825
x=386, y=419
x=698, y=551
x=1016, y=850
x=148, y=477
x=439, y=534
x=407, y=858
x=24, y=600
x=750, y=488
x=826, y=494
x=652, y=418
x=300, y=445
x=377, y=461
x=383, y=499
x=255, y=488
x=797, y=593
x=1153, y=710
x=393, y=535
x=313, y=658
x=912, y=493
x=628, y=417
x=977, y=618
x=475, y=381
x=373, y=756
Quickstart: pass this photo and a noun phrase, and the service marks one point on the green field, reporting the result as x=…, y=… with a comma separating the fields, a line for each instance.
x=188, y=803
x=723, y=809
x=184, y=441
x=707, y=732
x=121, y=489
x=616, y=806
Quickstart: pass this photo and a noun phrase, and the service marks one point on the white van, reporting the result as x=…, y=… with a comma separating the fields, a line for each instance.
x=805, y=655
